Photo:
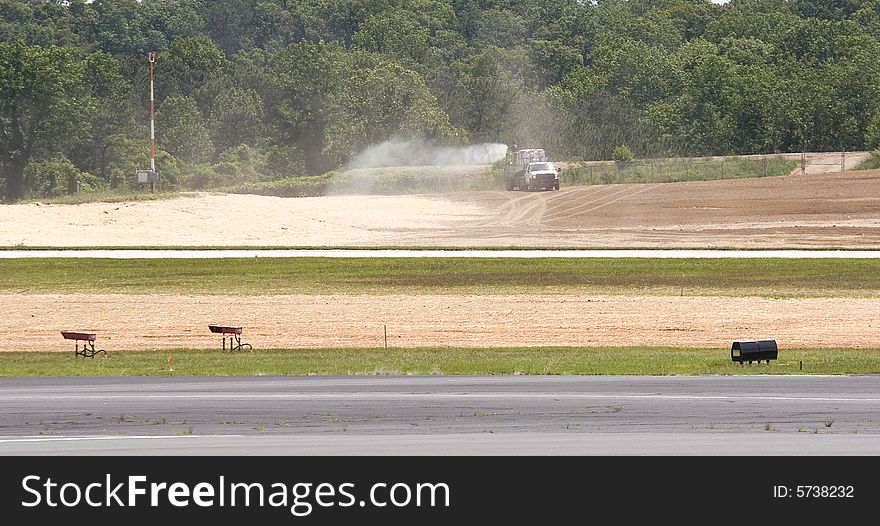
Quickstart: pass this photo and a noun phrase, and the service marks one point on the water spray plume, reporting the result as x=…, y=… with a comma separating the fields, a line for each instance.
x=397, y=152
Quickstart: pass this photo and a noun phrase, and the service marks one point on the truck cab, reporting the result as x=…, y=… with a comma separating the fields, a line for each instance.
x=541, y=175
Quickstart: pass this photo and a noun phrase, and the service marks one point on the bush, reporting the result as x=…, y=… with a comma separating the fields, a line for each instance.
x=54, y=177
x=207, y=177
x=623, y=156
x=242, y=163
x=871, y=163
x=872, y=133
x=90, y=183
x=287, y=187
x=378, y=181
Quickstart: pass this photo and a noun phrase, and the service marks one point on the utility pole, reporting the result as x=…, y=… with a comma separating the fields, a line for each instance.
x=152, y=58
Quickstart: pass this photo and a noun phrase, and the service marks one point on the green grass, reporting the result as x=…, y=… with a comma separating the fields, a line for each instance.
x=871, y=163
x=266, y=276
x=414, y=248
x=429, y=361
x=378, y=181
x=109, y=197
x=676, y=170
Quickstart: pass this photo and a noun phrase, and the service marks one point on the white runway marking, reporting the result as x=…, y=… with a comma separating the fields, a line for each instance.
x=429, y=396
x=6, y=440
x=370, y=253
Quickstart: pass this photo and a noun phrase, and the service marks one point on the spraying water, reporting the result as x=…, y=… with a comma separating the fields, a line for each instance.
x=397, y=152
x=409, y=167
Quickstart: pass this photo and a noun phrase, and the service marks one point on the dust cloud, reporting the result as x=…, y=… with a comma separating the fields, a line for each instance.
x=397, y=152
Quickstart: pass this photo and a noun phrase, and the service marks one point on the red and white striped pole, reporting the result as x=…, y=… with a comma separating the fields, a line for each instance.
x=152, y=58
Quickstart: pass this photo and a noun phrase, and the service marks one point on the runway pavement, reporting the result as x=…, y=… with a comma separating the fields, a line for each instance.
x=437, y=415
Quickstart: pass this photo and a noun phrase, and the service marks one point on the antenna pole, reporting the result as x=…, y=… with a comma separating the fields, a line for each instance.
x=152, y=59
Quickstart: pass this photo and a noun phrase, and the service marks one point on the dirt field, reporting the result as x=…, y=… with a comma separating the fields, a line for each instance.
x=34, y=322
x=812, y=210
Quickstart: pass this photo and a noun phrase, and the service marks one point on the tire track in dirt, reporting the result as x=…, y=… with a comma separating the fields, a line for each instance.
x=563, y=202
x=622, y=198
x=514, y=213
x=527, y=209
x=502, y=213
x=574, y=211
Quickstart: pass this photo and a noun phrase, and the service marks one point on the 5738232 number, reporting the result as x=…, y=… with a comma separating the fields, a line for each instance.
x=825, y=492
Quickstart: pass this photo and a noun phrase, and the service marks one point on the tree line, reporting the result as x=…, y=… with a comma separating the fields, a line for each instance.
x=258, y=90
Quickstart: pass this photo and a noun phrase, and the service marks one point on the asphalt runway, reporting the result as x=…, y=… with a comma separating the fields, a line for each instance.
x=437, y=415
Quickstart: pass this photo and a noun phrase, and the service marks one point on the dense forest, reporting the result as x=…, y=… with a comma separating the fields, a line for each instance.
x=257, y=90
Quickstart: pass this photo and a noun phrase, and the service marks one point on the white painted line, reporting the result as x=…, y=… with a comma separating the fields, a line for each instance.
x=368, y=396
x=515, y=254
x=6, y=440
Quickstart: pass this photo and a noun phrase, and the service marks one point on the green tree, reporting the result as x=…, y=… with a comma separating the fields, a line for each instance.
x=236, y=118
x=230, y=23
x=872, y=134
x=301, y=76
x=44, y=103
x=553, y=59
x=114, y=113
x=634, y=69
x=398, y=35
x=52, y=177
x=376, y=104
x=188, y=65
x=180, y=130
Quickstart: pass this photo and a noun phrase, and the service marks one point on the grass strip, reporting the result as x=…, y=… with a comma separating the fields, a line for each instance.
x=769, y=277
x=456, y=248
x=677, y=170
x=432, y=361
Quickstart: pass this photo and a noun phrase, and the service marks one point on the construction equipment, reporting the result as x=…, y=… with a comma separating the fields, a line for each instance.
x=530, y=169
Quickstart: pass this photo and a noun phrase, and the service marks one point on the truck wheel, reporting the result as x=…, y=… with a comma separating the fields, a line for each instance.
x=509, y=185
x=556, y=186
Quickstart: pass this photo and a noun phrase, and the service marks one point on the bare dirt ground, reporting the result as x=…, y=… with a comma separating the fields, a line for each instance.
x=811, y=210
x=34, y=322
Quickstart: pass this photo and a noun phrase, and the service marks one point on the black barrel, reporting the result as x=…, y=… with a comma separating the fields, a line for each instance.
x=754, y=351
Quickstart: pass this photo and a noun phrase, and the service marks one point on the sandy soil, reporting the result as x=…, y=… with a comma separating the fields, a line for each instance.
x=817, y=163
x=812, y=210
x=34, y=322
x=229, y=220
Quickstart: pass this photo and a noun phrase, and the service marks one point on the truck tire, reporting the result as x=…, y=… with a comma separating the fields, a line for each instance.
x=509, y=185
x=556, y=186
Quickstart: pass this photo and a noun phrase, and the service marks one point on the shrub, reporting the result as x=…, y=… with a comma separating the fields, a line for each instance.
x=872, y=133
x=623, y=156
x=871, y=163
x=53, y=177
